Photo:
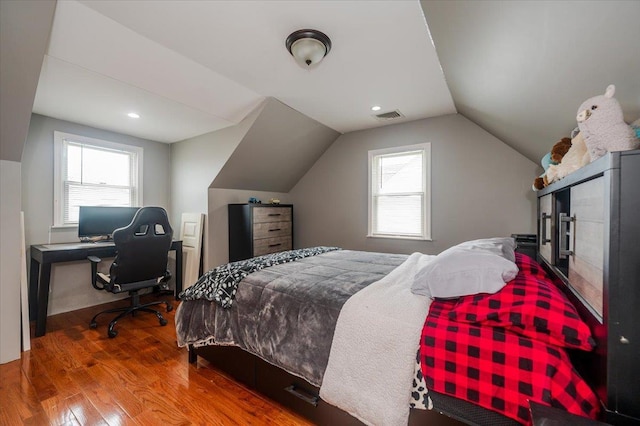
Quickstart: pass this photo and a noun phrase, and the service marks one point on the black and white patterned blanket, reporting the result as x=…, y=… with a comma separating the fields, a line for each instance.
x=221, y=284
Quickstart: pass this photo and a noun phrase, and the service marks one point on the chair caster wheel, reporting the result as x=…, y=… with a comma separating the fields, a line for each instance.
x=93, y=325
x=112, y=334
x=169, y=308
x=163, y=322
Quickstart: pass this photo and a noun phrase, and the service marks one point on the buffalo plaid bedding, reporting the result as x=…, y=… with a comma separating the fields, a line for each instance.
x=498, y=368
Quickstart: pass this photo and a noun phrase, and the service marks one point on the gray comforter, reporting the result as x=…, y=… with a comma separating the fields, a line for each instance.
x=286, y=314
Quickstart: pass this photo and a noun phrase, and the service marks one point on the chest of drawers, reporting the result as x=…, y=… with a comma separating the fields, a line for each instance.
x=258, y=229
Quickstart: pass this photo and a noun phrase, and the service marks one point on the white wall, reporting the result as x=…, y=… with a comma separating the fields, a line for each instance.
x=10, y=260
x=24, y=34
x=480, y=188
x=70, y=282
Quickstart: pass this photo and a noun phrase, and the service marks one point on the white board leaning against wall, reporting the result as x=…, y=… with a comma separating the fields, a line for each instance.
x=191, y=230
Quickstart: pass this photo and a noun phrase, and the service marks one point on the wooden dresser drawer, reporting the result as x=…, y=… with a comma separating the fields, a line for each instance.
x=271, y=229
x=271, y=245
x=587, y=233
x=271, y=214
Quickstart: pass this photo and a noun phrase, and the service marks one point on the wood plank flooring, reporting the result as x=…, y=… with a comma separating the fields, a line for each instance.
x=74, y=375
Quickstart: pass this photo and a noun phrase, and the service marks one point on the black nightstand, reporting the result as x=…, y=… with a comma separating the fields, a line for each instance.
x=526, y=244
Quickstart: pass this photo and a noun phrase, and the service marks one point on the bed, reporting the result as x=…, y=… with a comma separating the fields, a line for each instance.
x=346, y=336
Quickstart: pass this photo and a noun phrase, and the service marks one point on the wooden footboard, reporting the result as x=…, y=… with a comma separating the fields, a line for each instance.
x=301, y=397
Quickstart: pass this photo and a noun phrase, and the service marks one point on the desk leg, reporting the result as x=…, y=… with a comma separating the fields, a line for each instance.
x=178, y=271
x=34, y=271
x=43, y=299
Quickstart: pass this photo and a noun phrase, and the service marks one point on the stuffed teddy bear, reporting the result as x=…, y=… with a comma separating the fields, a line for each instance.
x=576, y=157
x=602, y=125
x=550, y=159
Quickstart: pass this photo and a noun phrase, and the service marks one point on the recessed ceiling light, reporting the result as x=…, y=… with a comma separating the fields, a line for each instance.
x=375, y=108
x=133, y=115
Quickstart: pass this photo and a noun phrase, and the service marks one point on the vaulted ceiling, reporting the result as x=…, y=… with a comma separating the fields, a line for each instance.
x=519, y=69
x=191, y=67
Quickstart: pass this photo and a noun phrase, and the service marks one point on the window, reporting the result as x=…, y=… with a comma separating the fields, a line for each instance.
x=93, y=172
x=399, y=192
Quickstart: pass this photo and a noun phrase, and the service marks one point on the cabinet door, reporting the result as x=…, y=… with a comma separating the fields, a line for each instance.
x=587, y=238
x=545, y=223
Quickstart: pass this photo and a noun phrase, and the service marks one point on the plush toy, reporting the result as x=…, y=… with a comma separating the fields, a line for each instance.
x=636, y=127
x=552, y=158
x=602, y=125
x=576, y=157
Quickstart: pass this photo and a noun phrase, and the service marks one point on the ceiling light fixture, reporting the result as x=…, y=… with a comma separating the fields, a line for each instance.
x=133, y=115
x=308, y=47
x=375, y=108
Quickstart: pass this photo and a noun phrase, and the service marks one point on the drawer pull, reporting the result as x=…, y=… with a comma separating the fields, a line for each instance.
x=275, y=214
x=274, y=230
x=543, y=223
x=565, y=236
x=303, y=395
x=275, y=245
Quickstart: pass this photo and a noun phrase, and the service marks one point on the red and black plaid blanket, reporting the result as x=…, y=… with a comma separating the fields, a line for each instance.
x=496, y=366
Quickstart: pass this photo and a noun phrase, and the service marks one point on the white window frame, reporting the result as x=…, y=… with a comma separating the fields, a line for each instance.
x=426, y=193
x=59, y=200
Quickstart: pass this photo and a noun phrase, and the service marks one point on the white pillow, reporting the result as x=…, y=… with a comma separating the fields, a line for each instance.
x=502, y=246
x=461, y=271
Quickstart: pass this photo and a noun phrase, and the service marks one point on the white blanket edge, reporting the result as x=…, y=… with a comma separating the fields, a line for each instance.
x=371, y=364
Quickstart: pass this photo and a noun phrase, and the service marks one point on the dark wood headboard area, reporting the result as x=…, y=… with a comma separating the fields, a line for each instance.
x=589, y=242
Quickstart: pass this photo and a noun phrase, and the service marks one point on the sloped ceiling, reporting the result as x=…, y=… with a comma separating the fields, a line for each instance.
x=521, y=69
x=279, y=148
x=193, y=67
x=24, y=32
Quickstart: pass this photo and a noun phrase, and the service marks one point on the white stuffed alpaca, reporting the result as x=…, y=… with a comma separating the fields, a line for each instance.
x=576, y=157
x=602, y=125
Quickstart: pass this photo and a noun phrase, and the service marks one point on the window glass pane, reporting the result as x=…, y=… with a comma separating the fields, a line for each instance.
x=397, y=214
x=400, y=173
x=74, y=163
x=93, y=172
x=90, y=195
x=106, y=167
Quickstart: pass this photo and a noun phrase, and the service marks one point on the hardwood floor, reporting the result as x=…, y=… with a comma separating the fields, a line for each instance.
x=74, y=375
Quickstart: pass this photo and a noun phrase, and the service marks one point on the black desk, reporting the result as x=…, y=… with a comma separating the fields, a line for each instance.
x=43, y=255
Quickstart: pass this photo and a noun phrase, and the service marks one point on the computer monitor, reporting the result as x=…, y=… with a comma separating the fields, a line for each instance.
x=101, y=221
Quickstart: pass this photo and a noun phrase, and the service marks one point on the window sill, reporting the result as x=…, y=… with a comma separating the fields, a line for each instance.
x=63, y=227
x=400, y=237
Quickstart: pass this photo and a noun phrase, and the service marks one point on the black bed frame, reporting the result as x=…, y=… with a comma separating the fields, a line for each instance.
x=298, y=395
x=301, y=397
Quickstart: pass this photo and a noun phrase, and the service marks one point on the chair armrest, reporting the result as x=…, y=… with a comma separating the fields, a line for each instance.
x=94, y=272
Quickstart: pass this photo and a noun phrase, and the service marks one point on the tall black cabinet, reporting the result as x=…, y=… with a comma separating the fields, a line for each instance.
x=589, y=239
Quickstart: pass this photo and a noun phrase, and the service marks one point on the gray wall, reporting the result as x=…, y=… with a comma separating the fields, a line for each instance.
x=279, y=148
x=480, y=188
x=24, y=33
x=195, y=163
x=70, y=285
x=10, y=261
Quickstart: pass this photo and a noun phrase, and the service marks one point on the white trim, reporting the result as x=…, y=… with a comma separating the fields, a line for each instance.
x=58, y=151
x=426, y=199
